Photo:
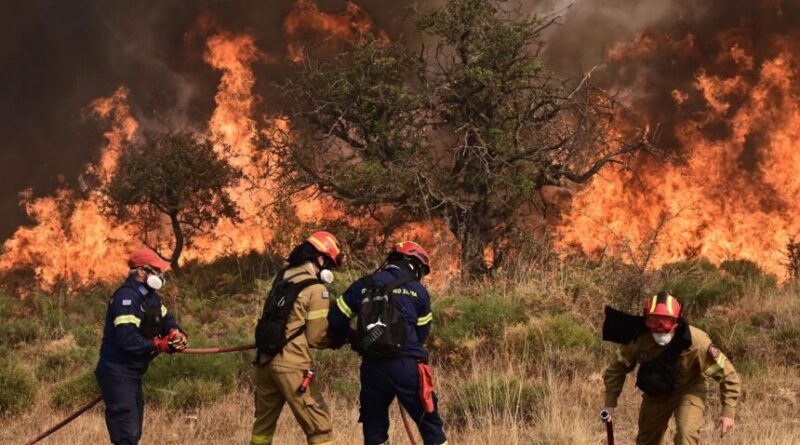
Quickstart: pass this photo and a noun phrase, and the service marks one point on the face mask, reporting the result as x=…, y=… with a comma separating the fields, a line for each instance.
x=326, y=276
x=663, y=339
x=155, y=282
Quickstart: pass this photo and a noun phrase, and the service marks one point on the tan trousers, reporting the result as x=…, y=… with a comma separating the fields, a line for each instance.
x=655, y=414
x=273, y=389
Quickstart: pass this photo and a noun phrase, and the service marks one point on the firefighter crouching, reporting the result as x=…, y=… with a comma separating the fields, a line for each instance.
x=137, y=328
x=394, y=319
x=674, y=359
x=295, y=319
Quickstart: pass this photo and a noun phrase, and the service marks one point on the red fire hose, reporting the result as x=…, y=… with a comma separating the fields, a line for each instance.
x=69, y=419
x=404, y=416
x=97, y=399
x=605, y=417
x=217, y=350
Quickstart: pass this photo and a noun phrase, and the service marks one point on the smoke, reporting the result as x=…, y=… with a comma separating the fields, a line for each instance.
x=57, y=57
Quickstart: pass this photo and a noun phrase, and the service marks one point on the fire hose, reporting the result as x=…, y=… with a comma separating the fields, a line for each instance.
x=605, y=417
x=97, y=399
x=404, y=416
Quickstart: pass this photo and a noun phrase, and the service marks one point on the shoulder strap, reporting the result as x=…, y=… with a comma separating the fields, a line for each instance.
x=397, y=282
x=300, y=285
x=369, y=281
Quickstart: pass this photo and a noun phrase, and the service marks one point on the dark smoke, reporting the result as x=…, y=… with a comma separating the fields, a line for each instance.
x=58, y=56
x=592, y=28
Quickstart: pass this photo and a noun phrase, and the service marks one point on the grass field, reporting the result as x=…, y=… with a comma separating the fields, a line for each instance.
x=517, y=359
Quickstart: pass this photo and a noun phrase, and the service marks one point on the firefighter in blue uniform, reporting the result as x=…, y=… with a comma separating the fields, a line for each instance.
x=383, y=380
x=137, y=328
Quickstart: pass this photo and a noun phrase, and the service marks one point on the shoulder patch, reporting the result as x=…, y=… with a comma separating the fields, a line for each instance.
x=126, y=302
x=326, y=295
x=713, y=351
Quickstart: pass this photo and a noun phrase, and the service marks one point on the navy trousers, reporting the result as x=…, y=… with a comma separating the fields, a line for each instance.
x=124, y=407
x=381, y=382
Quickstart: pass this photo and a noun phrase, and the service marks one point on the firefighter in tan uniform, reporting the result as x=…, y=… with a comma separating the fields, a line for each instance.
x=674, y=360
x=283, y=378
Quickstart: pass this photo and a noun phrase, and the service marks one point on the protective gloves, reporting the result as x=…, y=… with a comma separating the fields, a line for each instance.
x=178, y=340
x=174, y=341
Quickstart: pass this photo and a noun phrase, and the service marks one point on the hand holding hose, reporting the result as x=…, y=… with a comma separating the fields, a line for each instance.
x=178, y=340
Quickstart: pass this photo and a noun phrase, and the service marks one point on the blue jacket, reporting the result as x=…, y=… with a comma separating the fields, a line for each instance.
x=124, y=350
x=411, y=298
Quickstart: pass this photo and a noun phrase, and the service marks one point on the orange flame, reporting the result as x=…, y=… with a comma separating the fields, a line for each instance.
x=71, y=240
x=306, y=21
x=719, y=204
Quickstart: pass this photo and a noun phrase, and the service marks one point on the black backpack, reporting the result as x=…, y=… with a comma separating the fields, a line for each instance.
x=271, y=328
x=658, y=377
x=381, y=332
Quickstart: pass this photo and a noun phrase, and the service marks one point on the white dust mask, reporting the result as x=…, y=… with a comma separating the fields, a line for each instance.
x=326, y=276
x=155, y=282
x=662, y=339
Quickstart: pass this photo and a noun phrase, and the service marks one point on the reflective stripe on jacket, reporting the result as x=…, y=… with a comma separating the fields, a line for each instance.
x=700, y=361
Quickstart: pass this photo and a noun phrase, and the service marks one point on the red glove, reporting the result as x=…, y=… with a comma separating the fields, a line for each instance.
x=162, y=345
x=178, y=341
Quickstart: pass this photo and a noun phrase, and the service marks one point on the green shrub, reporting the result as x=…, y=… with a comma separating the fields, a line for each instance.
x=698, y=284
x=337, y=371
x=171, y=377
x=21, y=330
x=748, y=271
x=50, y=311
x=89, y=336
x=749, y=367
x=555, y=341
x=335, y=365
x=488, y=397
x=190, y=393
x=17, y=386
x=787, y=340
x=559, y=332
x=456, y=320
x=738, y=340
x=75, y=392
x=62, y=363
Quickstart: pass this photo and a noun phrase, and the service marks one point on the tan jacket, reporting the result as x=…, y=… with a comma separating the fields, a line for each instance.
x=700, y=361
x=310, y=310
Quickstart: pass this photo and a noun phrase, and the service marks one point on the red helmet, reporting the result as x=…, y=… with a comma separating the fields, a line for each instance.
x=328, y=245
x=414, y=250
x=662, y=312
x=145, y=256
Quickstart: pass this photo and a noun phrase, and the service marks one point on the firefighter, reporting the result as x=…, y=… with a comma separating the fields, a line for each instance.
x=675, y=360
x=399, y=374
x=280, y=376
x=137, y=328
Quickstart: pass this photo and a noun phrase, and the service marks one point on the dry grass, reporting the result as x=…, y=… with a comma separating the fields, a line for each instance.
x=567, y=415
x=565, y=382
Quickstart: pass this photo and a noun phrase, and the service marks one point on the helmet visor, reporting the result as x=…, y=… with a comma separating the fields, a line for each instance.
x=661, y=323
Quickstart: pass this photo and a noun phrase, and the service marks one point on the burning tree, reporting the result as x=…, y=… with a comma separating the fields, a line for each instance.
x=172, y=174
x=468, y=130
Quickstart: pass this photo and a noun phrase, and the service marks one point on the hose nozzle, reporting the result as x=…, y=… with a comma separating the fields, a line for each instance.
x=605, y=416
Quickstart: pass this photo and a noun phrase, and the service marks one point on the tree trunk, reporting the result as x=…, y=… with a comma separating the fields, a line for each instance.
x=178, y=232
x=473, y=242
